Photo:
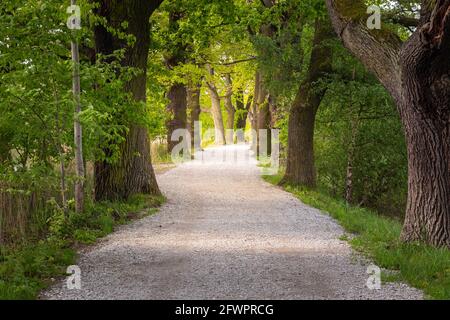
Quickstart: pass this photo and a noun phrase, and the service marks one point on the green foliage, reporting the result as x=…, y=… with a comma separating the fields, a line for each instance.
x=23, y=271
x=377, y=237
x=37, y=108
x=357, y=121
x=36, y=104
x=203, y=33
x=27, y=269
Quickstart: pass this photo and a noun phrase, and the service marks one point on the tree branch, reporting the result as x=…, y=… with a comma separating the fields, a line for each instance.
x=236, y=61
x=404, y=20
x=436, y=32
x=377, y=49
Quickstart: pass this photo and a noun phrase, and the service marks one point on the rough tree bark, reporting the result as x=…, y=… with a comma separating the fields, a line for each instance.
x=133, y=173
x=231, y=111
x=417, y=75
x=300, y=169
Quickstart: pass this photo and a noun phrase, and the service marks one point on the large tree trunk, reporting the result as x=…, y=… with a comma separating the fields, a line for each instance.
x=425, y=116
x=417, y=74
x=193, y=105
x=177, y=111
x=300, y=168
x=133, y=173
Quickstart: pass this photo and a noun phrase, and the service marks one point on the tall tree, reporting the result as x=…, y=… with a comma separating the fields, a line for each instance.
x=262, y=108
x=417, y=75
x=175, y=56
x=278, y=43
x=133, y=173
x=300, y=167
x=216, y=109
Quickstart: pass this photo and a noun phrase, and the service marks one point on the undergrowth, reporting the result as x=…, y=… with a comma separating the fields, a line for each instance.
x=27, y=268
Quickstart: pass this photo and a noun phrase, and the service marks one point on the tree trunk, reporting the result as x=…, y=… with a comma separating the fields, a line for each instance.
x=273, y=110
x=230, y=125
x=133, y=173
x=242, y=110
x=216, y=111
x=253, y=113
x=177, y=106
x=300, y=168
x=260, y=112
x=177, y=110
x=425, y=115
x=417, y=75
x=193, y=105
x=231, y=111
x=263, y=125
x=254, y=107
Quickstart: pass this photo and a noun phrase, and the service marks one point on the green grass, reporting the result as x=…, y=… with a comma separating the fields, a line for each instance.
x=377, y=237
x=28, y=268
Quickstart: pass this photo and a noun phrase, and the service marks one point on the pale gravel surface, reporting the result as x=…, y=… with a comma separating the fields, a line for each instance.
x=226, y=234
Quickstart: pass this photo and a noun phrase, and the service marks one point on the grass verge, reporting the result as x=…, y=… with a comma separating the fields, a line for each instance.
x=377, y=237
x=27, y=269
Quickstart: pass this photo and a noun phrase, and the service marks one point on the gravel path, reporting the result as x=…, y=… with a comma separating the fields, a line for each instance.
x=226, y=234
